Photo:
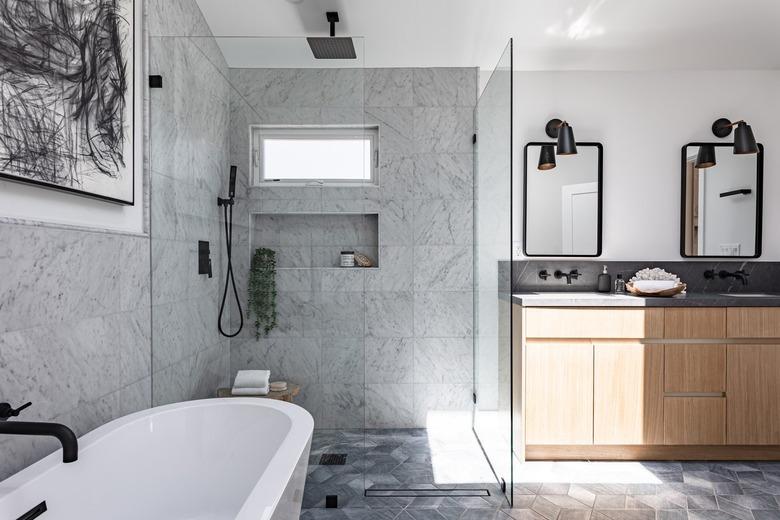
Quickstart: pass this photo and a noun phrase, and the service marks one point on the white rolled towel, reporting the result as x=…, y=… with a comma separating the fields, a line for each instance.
x=252, y=379
x=250, y=391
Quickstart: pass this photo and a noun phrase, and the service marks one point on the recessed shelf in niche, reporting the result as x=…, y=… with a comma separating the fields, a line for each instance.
x=315, y=240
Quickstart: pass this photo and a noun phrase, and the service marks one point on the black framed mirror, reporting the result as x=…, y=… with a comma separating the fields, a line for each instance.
x=722, y=201
x=562, y=200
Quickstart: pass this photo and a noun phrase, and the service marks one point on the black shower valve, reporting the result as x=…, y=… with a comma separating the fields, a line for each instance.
x=204, y=258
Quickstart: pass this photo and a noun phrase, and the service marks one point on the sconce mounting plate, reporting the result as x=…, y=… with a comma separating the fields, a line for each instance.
x=551, y=128
x=721, y=127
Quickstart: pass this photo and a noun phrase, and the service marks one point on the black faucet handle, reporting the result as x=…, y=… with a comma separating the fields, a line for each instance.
x=574, y=274
x=7, y=411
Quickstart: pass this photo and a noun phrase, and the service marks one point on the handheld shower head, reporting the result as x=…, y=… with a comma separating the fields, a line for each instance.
x=232, y=185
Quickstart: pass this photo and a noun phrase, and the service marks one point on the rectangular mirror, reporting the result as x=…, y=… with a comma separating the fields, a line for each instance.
x=562, y=199
x=721, y=201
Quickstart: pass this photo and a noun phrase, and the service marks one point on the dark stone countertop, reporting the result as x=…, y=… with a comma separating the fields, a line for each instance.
x=594, y=299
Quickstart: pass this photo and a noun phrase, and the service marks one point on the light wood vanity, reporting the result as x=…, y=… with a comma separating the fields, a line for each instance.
x=648, y=383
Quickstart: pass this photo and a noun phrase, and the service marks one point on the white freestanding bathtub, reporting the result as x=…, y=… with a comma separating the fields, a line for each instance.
x=238, y=458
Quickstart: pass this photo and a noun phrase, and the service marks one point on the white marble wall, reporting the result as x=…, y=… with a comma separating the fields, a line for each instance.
x=390, y=347
x=189, y=167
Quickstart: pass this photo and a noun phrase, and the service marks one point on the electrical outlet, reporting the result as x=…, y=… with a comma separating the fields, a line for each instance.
x=517, y=250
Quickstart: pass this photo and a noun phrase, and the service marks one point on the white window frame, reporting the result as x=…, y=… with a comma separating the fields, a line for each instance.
x=258, y=132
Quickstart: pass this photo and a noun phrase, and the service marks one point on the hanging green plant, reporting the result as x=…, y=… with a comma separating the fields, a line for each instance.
x=262, y=291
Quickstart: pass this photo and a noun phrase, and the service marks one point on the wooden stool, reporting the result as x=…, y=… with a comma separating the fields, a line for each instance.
x=284, y=395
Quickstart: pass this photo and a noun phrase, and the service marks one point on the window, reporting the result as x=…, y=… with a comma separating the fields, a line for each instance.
x=315, y=155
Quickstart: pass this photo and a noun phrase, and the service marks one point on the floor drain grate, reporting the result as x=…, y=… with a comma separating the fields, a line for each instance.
x=427, y=492
x=333, y=459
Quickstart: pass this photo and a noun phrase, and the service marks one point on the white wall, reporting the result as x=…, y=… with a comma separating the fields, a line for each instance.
x=643, y=119
x=33, y=203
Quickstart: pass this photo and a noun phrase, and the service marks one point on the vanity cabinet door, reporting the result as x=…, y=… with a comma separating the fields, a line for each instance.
x=628, y=393
x=694, y=420
x=753, y=394
x=695, y=368
x=559, y=392
x=754, y=322
x=695, y=323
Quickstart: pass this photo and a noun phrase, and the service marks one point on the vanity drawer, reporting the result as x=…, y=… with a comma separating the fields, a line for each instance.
x=691, y=323
x=585, y=323
x=694, y=368
x=694, y=420
x=754, y=322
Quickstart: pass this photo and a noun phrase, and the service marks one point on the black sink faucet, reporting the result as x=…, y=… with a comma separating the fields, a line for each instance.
x=739, y=274
x=70, y=445
x=571, y=274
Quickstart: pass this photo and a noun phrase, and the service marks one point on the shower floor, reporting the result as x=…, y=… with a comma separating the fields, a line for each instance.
x=428, y=459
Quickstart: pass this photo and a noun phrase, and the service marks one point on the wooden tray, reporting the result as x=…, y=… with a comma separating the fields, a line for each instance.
x=665, y=293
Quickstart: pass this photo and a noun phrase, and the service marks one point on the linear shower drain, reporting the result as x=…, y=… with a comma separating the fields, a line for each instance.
x=333, y=459
x=427, y=492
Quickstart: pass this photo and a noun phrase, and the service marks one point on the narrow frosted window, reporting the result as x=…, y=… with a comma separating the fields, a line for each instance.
x=309, y=155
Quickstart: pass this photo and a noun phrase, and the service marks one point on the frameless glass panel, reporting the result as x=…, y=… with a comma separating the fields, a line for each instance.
x=492, y=265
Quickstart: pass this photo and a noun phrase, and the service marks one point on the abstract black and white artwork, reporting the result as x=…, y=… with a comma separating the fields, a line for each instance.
x=66, y=95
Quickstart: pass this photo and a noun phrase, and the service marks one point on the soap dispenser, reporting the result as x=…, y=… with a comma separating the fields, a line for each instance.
x=605, y=281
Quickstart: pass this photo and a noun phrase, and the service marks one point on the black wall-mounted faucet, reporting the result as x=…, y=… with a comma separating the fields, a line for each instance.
x=573, y=274
x=739, y=274
x=70, y=445
x=543, y=274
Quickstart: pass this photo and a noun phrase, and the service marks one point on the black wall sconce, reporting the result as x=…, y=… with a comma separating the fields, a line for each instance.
x=561, y=130
x=706, y=157
x=744, y=141
x=566, y=145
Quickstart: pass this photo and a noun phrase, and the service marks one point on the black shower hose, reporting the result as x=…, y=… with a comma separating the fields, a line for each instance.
x=230, y=278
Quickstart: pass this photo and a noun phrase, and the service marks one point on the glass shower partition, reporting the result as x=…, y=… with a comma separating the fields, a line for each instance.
x=218, y=97
x=492, y=271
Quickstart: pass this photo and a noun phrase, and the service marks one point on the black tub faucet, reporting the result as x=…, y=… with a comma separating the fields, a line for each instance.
x=571, y=274
x=739, y=274
x=70, y=445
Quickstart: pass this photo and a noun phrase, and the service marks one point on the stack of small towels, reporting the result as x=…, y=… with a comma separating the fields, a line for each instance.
x=252, y=382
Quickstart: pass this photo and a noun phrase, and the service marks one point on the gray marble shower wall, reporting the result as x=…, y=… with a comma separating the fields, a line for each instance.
x=386, y=347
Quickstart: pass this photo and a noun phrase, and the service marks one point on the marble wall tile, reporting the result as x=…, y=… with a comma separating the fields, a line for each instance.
x=395, y=271
x=339, y=280
x=343, y=406
x=443, y=314
x=443, y=130
x=443, y=268
x=389, y=406
x=448, y=87
x=396, y=128
x=397, y=176
x=396, y=223
x=443, y=222
x=443, y=360
x=389, y=314
x=297, y=360
x=389, y=88
x=339, y=315
x=446, y=176
x=294, y=280
x=442, y=406
x=342, y=360
x=315, y=88
x=389, y=360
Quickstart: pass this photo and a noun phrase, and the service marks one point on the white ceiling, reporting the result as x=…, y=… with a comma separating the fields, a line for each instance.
x=548, y=34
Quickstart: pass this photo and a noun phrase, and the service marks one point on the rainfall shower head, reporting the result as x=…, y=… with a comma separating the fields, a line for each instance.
x=332, y=48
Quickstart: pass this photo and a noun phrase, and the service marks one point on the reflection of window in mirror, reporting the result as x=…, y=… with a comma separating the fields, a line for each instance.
x=562, y=203
x=721, y=203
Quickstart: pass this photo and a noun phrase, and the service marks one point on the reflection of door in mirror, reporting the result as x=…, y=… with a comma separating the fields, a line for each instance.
x=579, y=203
x=692, y=208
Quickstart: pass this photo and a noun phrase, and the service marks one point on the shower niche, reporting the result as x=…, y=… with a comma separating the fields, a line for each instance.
x=316, y=240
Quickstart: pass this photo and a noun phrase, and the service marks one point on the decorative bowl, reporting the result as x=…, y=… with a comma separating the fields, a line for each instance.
x=631, y=287
x=649, y=286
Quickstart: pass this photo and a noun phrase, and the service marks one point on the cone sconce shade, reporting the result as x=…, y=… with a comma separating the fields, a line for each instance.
x=744, y=141
x=561, y=131
x=706, y=157
x=566, y=143
x=547, y=158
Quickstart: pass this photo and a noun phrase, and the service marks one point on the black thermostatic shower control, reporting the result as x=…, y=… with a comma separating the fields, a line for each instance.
x=204, y=258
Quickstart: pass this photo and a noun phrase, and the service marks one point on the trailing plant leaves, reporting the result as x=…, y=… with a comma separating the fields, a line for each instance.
x=262, y=291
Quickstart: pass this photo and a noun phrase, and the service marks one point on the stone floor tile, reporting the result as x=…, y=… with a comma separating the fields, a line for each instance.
x=702, y=502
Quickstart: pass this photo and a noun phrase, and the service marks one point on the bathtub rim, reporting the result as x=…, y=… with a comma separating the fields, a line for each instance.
x=271, y=482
